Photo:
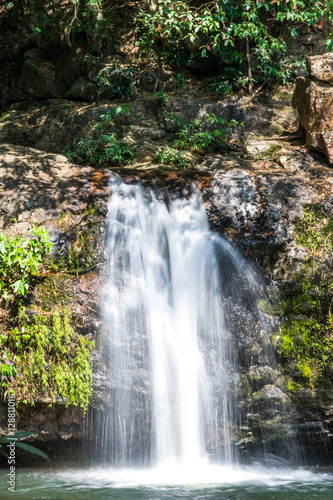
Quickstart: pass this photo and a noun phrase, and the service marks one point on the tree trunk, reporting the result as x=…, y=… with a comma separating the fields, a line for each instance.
x=249, y=69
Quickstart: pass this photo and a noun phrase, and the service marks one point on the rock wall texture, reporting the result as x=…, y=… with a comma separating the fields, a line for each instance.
x=313, y=100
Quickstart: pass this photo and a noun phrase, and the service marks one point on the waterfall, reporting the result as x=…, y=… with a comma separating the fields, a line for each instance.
x=178, y=302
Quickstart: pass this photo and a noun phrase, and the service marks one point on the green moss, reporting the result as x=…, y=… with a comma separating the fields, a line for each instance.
x=315, y=231
x=306, y=335
x=270, y=151
x=51, y=359
x=50, y=295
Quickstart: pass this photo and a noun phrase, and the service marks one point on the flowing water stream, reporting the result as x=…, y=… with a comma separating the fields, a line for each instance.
x=175, y=294
x=180, y=310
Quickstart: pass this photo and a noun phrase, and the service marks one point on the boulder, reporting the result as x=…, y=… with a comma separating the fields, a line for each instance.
x=84, y=89
x=38, y=77
x=313, y=99
x=321, y=67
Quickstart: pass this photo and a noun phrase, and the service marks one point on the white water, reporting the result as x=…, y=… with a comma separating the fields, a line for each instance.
x=174, y=295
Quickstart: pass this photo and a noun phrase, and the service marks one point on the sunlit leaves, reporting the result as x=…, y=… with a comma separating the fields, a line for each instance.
x=20, y=259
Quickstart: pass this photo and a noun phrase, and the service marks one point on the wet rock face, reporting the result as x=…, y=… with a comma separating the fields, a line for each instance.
x=255, y=203
x=313, y=99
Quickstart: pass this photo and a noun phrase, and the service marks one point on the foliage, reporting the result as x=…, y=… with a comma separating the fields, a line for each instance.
x=161, y=97
x=59, y=22
x=220, y=87
x=200, y=136
x=103, y=148
x=179, y=83
x=48, y=357
x=120, y=83
x=20, y=260
x=171, y=156
x=241, y=35
x=204, y=135
x=306, y=335
x=5, y=440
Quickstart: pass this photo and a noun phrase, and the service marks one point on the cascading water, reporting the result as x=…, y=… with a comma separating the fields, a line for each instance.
x=181, y=323
x=175, y=294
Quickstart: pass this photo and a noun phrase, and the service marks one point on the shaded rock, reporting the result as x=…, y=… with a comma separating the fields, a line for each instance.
x=270, y=395
x=54, y=124
x=35, y=184
x=38, y=78
x=84, y=89
x=68, y=66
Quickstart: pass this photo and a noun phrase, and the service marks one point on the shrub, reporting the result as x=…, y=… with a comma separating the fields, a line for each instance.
x=20, y=260
x=103, y=147
x=204, y=135
x=170, y=156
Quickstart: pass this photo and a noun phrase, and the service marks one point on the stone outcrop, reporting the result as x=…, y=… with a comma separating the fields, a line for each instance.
x=53, y=124
x=253, y=197
x=313, y=99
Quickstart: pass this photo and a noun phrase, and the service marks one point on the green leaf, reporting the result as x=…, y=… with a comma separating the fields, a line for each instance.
x=17, y=435
x=32, y=449
x=17, y=285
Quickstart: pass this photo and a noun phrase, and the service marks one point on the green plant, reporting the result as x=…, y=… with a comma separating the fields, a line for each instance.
x=121, y=83
x=103, y=148
x=240, y=35
x=220, y=86
x=204, y=135
x=170, y=156
x=199, y=136
x=161, y=96
x=122, y=109
x=49, y=357
x=8, y=369
x=14, y=438
x=179, y=83
x=20, y=260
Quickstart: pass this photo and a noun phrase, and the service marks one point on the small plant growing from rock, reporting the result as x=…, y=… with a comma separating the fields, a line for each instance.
x=119, y=82
x=103, y=148
x=204, y=135
x=171, y=156
x=199, y=137
x=20, y=260
x=179, y=83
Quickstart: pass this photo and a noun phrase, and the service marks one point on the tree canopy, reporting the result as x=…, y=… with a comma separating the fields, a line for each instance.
x=245, y=39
